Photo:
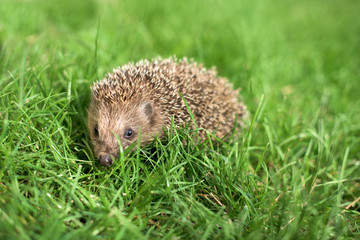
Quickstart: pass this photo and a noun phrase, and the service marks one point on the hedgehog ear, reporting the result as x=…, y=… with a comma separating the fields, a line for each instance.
x=148, y=109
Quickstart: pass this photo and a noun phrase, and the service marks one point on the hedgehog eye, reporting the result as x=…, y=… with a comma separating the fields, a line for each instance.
x=96, y=130
x=128, y=133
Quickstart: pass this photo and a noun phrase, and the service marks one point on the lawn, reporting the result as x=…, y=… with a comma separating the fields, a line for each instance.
x=294, y=173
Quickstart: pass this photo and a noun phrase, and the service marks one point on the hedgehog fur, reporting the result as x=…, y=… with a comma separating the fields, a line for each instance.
x=149, y=94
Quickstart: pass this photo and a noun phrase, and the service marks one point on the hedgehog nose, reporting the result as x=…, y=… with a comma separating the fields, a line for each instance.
x=105, y=160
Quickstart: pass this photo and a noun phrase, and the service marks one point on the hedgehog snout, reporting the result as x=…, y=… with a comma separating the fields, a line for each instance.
x=106, y=159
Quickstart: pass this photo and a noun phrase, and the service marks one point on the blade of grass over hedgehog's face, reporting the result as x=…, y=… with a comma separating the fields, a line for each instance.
x=109, y=122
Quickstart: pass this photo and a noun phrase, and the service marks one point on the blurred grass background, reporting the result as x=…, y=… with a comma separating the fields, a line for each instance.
x=296, y=169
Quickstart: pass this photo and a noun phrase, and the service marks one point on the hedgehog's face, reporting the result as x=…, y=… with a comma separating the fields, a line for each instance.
x=109, y=123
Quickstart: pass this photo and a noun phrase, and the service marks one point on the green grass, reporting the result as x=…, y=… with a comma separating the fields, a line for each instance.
x=292, y=175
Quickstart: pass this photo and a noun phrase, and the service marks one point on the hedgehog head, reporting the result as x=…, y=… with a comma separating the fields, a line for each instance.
x=120, y=112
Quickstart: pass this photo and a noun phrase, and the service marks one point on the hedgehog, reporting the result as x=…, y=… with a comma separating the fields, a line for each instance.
x=149, y=95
